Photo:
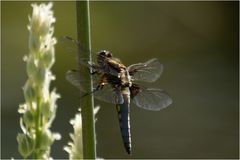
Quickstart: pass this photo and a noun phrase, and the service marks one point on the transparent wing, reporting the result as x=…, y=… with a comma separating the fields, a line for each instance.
x=106, y=94
x=152, y=99
x=70, y=44
x=73, y=77
x=149, y=71
x=73, y=46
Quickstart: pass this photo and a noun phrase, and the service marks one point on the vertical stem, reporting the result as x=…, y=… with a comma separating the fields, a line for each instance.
x=87, y=103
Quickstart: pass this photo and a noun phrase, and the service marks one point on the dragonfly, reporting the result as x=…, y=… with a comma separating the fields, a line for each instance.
x=119, y=84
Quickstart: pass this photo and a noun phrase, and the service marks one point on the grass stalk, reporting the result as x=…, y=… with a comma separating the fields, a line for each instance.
x=87, y=103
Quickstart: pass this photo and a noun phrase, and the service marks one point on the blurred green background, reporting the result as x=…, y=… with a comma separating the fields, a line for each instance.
x=197, y=42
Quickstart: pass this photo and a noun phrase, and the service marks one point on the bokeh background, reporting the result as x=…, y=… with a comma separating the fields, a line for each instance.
x=196, y=41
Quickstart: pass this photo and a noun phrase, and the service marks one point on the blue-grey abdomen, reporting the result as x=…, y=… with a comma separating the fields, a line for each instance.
x=124, y=121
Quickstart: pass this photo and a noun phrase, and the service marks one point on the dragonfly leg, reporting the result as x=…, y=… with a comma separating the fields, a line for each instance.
x=93, y=91
x=99, y=87
x=94, y=72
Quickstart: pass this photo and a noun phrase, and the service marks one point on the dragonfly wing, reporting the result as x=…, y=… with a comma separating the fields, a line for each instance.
x=152, y=99
x=70, y=44
x=73, y=77
x=109, y=95
x=149, y=71
x=106, y=94
x=73, y=46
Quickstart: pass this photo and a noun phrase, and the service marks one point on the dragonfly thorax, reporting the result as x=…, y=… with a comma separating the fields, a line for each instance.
x=125, y=78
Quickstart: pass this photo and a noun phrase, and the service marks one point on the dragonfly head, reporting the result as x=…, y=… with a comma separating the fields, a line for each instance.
x=105, y=54
x=102, y=56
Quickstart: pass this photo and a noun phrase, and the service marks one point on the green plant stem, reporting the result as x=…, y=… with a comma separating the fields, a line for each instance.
x=87, y=103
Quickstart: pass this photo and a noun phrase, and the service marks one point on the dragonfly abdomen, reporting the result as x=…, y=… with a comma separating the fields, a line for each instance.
x=124, y=121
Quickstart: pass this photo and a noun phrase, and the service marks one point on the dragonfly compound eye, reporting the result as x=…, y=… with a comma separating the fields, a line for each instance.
x=103, y=53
